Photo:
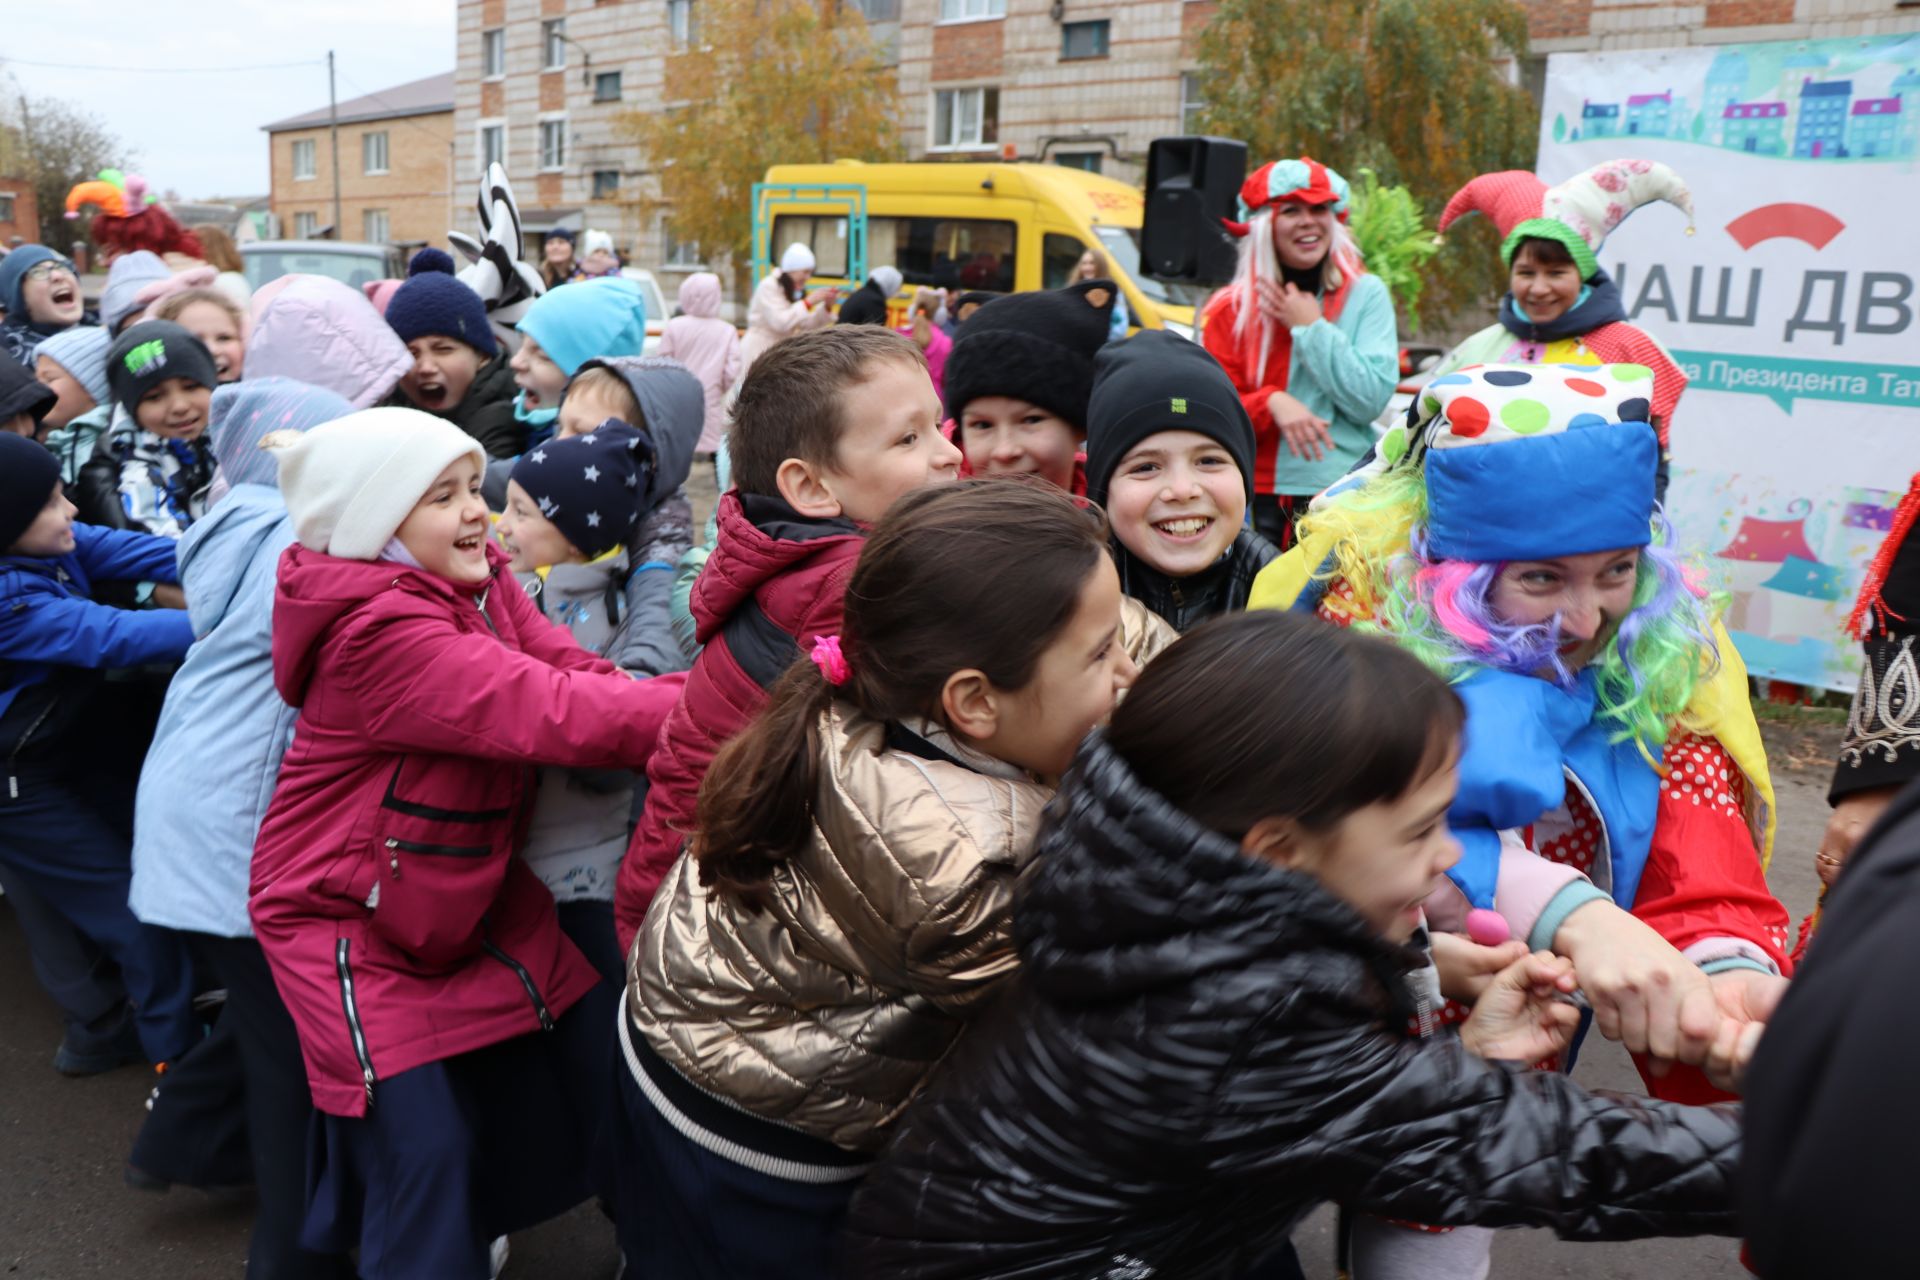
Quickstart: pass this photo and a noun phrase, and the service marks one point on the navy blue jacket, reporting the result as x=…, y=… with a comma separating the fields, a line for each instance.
x=48, y=618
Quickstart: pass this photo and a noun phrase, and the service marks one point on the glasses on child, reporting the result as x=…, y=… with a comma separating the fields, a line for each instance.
x=45, y=270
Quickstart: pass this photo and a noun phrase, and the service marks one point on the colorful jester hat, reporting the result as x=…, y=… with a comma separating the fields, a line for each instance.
x=1533, y=462
x=116, y=194
x=1580, y=213
x=1305, y=180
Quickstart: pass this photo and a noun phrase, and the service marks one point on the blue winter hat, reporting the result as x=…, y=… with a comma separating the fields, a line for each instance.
x=433, y=301
x=82, y=352
x=247, y=412
x=590, y=485
x=576, y=322
x=13, y=275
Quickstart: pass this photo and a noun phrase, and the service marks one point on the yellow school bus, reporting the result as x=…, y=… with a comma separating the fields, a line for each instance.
x=1002, y=228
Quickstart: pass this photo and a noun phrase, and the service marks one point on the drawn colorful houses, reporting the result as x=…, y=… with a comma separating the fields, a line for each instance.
x=1757, y=127
x=1726, y=85
x=1906, y=87
x=1650, y=114
x=1599, y=119
x=1759, y=560
x=1822, y=126
x=1873, y=129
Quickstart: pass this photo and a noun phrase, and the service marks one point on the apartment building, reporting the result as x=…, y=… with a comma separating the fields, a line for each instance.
x=396, y=168
x=19, y=214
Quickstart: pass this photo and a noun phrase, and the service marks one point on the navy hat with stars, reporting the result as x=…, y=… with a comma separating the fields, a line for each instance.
x=590, y=485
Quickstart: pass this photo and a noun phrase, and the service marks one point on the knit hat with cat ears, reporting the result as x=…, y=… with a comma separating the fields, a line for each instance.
x=1580, y=213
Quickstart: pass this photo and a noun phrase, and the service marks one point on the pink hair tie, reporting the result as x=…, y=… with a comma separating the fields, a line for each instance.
x=826, y=655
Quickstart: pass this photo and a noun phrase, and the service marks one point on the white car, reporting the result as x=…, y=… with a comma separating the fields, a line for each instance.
x=657, y=309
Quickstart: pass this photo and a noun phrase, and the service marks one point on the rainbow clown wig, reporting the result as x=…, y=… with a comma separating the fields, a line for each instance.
x=128, y=217
x=1522, y=462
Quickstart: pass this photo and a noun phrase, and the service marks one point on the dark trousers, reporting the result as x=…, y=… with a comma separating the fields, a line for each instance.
x=454, y=1153
x=1273, y=516
x=684, y=1213
x=589, y=926
x=67, y=836
x=74, y=972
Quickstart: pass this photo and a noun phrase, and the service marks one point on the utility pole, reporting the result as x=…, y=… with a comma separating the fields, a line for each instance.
x=333, y=132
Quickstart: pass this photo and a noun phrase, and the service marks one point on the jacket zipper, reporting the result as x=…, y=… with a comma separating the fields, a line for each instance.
x=526, y=980
x=13, y=756
x=395, y=847
x=480, y=603
x=352, y=1006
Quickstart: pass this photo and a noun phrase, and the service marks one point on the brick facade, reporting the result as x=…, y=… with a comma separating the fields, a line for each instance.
x=1573, y=25
x=416, y=192
x=19, y=211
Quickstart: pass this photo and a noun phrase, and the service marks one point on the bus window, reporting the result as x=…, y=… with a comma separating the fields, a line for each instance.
x=956, y=253
x=825, y=234
x=1059, y=255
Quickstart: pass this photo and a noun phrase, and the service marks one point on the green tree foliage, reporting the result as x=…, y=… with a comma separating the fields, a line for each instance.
x=1412, y=89
x=57, y=145
x=1396, y=240
x=766, y=82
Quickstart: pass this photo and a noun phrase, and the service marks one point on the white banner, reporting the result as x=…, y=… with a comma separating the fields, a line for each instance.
x=1792, y=307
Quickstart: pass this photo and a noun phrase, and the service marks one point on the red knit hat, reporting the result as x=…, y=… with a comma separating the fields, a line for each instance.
x=1305, y=180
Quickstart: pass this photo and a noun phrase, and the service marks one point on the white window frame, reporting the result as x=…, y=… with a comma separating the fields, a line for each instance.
x=385, y=148
x=305, y=223
x=312, y=153
x=681, y=25
x=1189, y=79
x=954, y=12
x=957, y=143
x=553, y=44
x=493, y=54
x=559, y=162
x=480, y=129
x=678, y=253
x=367, y=217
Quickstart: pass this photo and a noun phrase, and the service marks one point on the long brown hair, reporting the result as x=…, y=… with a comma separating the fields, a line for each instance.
x=929, y=597
x=1266, y=714
x=222, y=254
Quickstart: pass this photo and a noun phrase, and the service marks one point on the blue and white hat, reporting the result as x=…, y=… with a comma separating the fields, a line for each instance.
x=591, y=486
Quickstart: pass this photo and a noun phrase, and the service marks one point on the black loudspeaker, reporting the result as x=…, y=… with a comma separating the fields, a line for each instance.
x=1192, y=183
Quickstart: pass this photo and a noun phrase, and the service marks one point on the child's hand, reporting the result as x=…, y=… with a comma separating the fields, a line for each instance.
x=1520, y=1016
x=1466, y=967
x=168, y=596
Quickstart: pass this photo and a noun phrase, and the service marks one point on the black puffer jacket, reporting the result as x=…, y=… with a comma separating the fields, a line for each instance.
x=1185, y=603
x=1199, y=1048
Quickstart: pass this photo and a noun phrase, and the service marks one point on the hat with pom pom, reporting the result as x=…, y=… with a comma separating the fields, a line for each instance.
x=434, y=302
x=1580, y=213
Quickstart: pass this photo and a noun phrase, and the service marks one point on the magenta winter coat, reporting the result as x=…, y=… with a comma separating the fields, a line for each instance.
x=400, y=925
x=708, y=346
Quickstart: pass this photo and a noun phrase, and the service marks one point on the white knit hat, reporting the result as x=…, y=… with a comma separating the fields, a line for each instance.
x=351, y=483
x=591, y=241
x=797, y=258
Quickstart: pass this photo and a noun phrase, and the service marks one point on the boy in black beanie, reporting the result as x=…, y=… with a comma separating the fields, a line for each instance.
x=1017, y=381
x=1170, y=457
x=24, y=400
x=459, y=372
x=151, y=470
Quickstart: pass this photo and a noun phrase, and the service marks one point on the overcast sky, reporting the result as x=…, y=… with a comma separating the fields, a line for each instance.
x=199, y=131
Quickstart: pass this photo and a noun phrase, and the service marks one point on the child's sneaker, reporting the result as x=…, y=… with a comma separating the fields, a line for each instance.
x=86, y=1051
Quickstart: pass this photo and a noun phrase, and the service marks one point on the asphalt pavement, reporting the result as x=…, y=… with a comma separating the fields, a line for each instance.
x=65, y=1214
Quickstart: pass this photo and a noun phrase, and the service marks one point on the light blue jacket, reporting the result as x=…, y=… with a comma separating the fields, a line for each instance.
x=1344, y=371
x=223, y=730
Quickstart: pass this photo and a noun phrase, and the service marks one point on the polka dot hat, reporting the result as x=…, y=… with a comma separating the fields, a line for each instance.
x=1534, y=462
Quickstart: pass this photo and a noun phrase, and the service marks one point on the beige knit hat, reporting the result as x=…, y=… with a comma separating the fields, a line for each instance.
x=351, y=483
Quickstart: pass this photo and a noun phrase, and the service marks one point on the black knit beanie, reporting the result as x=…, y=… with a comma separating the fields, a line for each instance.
x=1157, y=381
x=29, y=473
x=21, y=392
x=1037, y=347
x=147, y=354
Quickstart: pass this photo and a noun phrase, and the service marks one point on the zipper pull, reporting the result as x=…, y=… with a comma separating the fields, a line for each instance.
x=366, y=1074
x=13, y=786
x=393, y=856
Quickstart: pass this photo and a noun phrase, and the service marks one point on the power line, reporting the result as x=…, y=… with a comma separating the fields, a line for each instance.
x=193, y=71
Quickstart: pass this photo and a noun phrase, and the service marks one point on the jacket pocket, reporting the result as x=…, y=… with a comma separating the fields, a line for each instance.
x=350, y=1003
x=434, y=891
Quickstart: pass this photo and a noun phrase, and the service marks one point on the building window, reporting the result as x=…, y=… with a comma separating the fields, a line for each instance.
x=1192, y=106
x=1084, y=39
x=675, y=252
x=304, y=225
x=971, y=10
x=553, y=144
x=606, y=86
x=374, y=226
x=606, y=184
x=965, y=119
x=493, y=145
x=303, y=159
x=1086, y=160
x=6, y=207
x=373, y=152
x=877, y=10
x=680, y=22
x=553, y=42
x=493, y=53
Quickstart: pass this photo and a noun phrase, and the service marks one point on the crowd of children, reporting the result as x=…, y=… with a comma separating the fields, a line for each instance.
x=937, y=872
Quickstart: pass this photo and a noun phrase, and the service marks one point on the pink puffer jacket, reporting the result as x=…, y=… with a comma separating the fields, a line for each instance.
x=400, y=926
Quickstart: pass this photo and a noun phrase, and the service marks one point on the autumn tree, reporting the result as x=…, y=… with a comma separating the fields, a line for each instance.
x=58, y=145
x=764, y=82
x=1415, y=90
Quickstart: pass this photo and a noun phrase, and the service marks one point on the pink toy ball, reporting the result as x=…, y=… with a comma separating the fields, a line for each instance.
x=1488, y=928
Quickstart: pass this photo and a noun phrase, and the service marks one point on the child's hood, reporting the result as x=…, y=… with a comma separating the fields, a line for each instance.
x=316, y=592
x=221, y=546
x=700, y=295
x=675, y=407
x=322, y=332
x=768, y=553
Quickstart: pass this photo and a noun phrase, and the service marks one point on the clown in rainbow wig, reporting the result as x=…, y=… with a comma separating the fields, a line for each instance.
x=1560, y=307
x=1614, y=802
x=1306, y=335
